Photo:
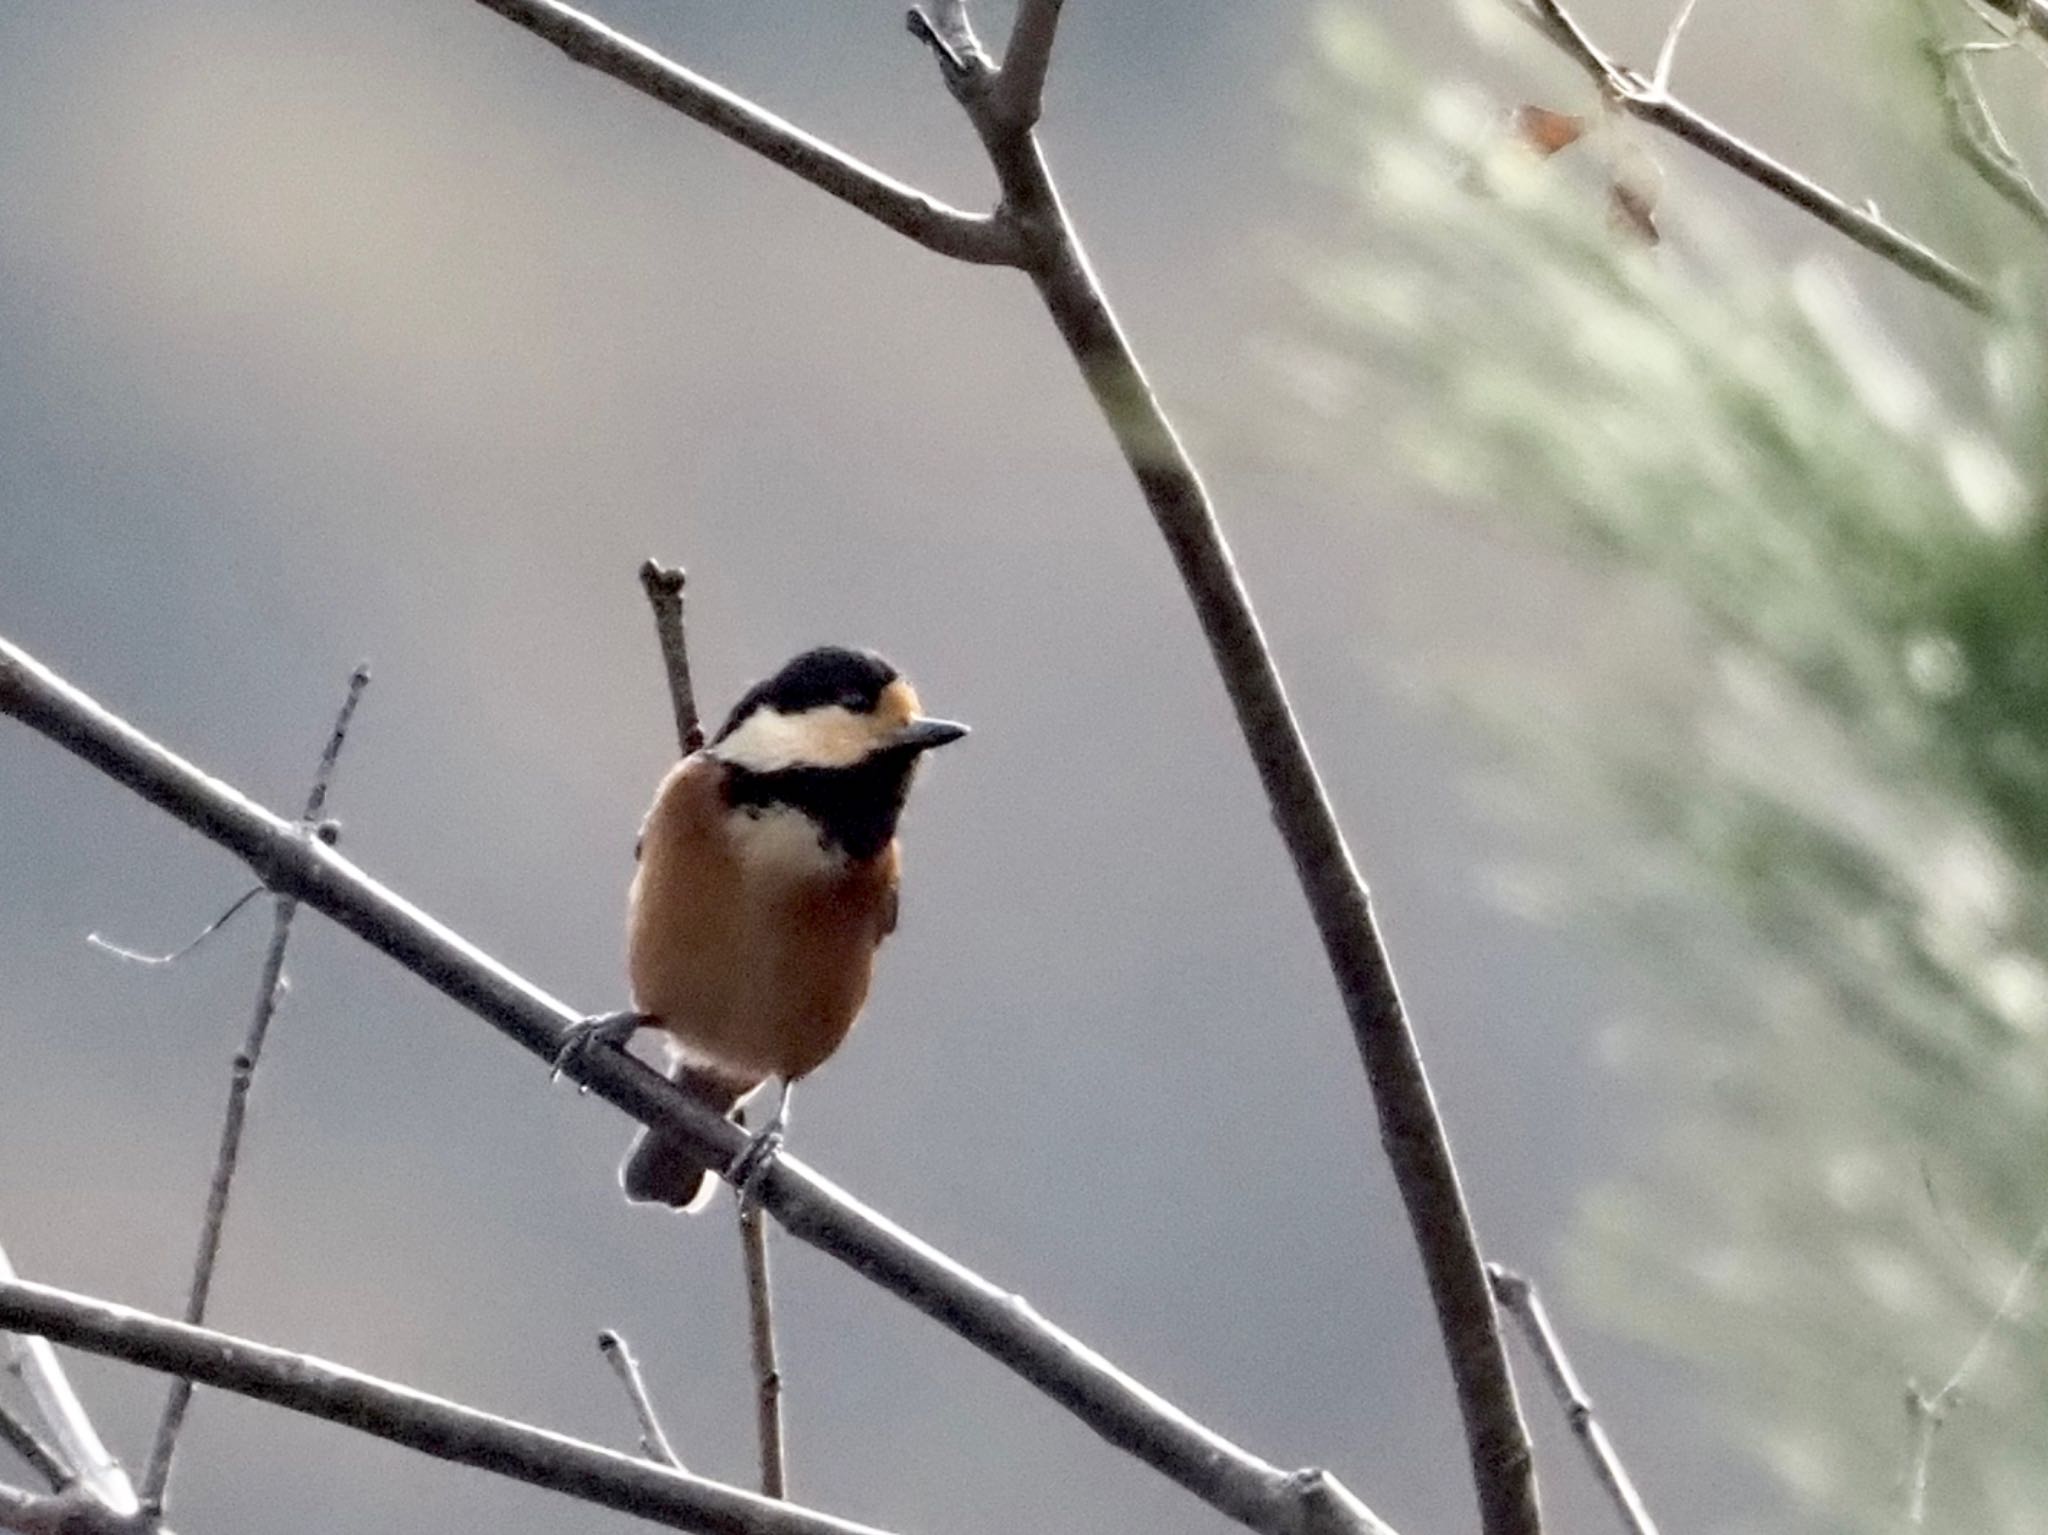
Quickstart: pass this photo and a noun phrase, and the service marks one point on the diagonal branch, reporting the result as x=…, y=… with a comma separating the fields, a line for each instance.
x=36, y=1452
x=1411, y=1130
x=1004, y=1326
x=270, y=989
x=432, y=1425
x=1645, y=101
x=938, y=227
x=1518, y=1296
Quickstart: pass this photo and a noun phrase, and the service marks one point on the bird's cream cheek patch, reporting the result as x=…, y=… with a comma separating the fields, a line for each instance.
x=768, y=741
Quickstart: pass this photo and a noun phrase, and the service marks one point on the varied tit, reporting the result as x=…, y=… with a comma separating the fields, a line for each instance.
x=767, y=878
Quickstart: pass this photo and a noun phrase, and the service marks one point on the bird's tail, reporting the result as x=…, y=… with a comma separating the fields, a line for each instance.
x=663, y=1169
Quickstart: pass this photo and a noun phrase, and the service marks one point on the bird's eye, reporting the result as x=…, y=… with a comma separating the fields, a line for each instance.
x=852, y=703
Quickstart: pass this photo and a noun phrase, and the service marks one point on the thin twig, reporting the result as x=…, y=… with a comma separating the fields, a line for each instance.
x=36, y=1452
x=95, y=1473
x=653, y=1442
x=446, y=1430
x=1020, y=89
x=767, y=1364
x=1972, y=129
x=1667, y=56
x=936, y=226
x=2033, y=12
x=1926, y=1412
x=270, y=990
x=1642, y=99
x=1124, y=1412
x=664, y=588
x=173, y=956
x=1519, y=1298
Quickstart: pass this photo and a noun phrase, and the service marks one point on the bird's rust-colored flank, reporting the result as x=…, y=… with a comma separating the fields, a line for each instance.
x=757, y=973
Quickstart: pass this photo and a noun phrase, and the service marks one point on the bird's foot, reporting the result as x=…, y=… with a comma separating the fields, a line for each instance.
x=605, y=1029
x=752, y=1164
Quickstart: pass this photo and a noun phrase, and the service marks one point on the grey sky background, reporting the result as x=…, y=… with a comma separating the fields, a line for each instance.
x=378, y=329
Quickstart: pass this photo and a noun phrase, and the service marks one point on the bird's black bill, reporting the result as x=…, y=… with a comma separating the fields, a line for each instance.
x=921, y=735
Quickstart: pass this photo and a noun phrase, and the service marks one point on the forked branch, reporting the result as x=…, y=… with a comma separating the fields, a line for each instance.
x=1648, y=101
x=938, y=227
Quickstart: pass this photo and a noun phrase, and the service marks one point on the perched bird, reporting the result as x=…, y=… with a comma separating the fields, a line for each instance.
x=767, y=878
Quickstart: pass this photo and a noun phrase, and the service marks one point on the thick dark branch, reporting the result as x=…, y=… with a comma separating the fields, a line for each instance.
x=1019, y=95
x=270, y=988
x=1411, y=1130
x=1521, y=1301
x=946, y=230
x=1002, y=1325
x=446, y=1430
x=1644, y=99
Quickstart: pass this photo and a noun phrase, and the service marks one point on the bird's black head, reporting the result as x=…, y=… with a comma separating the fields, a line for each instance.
x=836, y=736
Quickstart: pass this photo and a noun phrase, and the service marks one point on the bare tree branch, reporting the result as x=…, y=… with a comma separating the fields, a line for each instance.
x=1927, y=1412
x=2033, y=12
x=1411, y=1130
x=36, y=1453
x=1972, y=129
x=1643, y=99
x=1019, y=95
x=97, y=1476
x=446, y=1430
x=1004, y=1326
x=270, y=990
x=664, y=588
x=761, y=1341
x=653, y=1442
x=946, y=230
x=1518, y=1296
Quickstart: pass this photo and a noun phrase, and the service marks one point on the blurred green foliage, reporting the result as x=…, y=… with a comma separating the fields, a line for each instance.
x=1843, y=738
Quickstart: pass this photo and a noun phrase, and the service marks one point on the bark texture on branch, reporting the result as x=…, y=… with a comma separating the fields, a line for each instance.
x=430, y=1424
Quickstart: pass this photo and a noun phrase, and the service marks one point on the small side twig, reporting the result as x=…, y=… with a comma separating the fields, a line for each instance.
x=664, y=587
x=270, y=990
x=94, y=1472
x=653, y=1442
x=1667, y=56
x=1926, y=1412
x=1518, y=1297
x=171, y=957
x=1646, y=100
x=1973, y=131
